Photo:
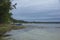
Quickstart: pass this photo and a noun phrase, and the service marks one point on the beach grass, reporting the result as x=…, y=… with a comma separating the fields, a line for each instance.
x=7, y=27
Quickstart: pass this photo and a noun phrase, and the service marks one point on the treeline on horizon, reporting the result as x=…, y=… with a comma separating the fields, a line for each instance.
x=22, y=21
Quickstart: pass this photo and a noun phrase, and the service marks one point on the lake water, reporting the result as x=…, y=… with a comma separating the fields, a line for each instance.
x=36, y=32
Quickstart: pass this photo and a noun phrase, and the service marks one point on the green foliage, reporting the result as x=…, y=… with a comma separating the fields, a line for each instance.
x=5, y=7
x=18, y=21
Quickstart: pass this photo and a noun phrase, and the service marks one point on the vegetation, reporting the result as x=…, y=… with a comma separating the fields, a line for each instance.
x=45, y=22
x=7, y=27
x=4, y=29
x=5, y=6
x=5, y=16
x=18, y=21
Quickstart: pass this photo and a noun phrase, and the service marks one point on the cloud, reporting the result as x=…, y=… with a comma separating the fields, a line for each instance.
x=37, y=9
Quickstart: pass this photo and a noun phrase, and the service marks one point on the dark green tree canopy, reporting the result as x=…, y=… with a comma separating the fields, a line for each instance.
x=5, y=6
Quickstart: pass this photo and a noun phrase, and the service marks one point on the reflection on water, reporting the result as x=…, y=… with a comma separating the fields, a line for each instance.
x=36, y=33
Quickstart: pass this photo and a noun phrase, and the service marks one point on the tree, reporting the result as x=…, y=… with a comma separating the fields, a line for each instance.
x=5, y=7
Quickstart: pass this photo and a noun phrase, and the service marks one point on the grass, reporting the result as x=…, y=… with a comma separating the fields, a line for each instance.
x=4, y=29
x=7, y=27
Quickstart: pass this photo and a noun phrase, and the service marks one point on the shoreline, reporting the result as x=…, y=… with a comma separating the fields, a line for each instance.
x=7, y=28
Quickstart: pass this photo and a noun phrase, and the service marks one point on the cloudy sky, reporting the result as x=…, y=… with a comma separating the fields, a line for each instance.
x=37, y=10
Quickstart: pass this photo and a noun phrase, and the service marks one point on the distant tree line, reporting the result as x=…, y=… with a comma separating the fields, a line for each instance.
x=18, y=21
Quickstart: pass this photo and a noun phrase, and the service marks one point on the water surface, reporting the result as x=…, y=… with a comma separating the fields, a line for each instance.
x=36, y=32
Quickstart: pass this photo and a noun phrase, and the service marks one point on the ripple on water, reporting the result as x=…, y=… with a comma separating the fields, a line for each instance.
x=36, y=34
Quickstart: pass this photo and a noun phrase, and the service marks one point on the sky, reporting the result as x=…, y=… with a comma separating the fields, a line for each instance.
x=37, y=10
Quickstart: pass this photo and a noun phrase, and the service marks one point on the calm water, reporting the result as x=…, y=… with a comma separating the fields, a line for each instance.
x=36, y=32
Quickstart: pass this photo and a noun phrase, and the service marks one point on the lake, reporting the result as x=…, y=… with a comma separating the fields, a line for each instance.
x=36, y=32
